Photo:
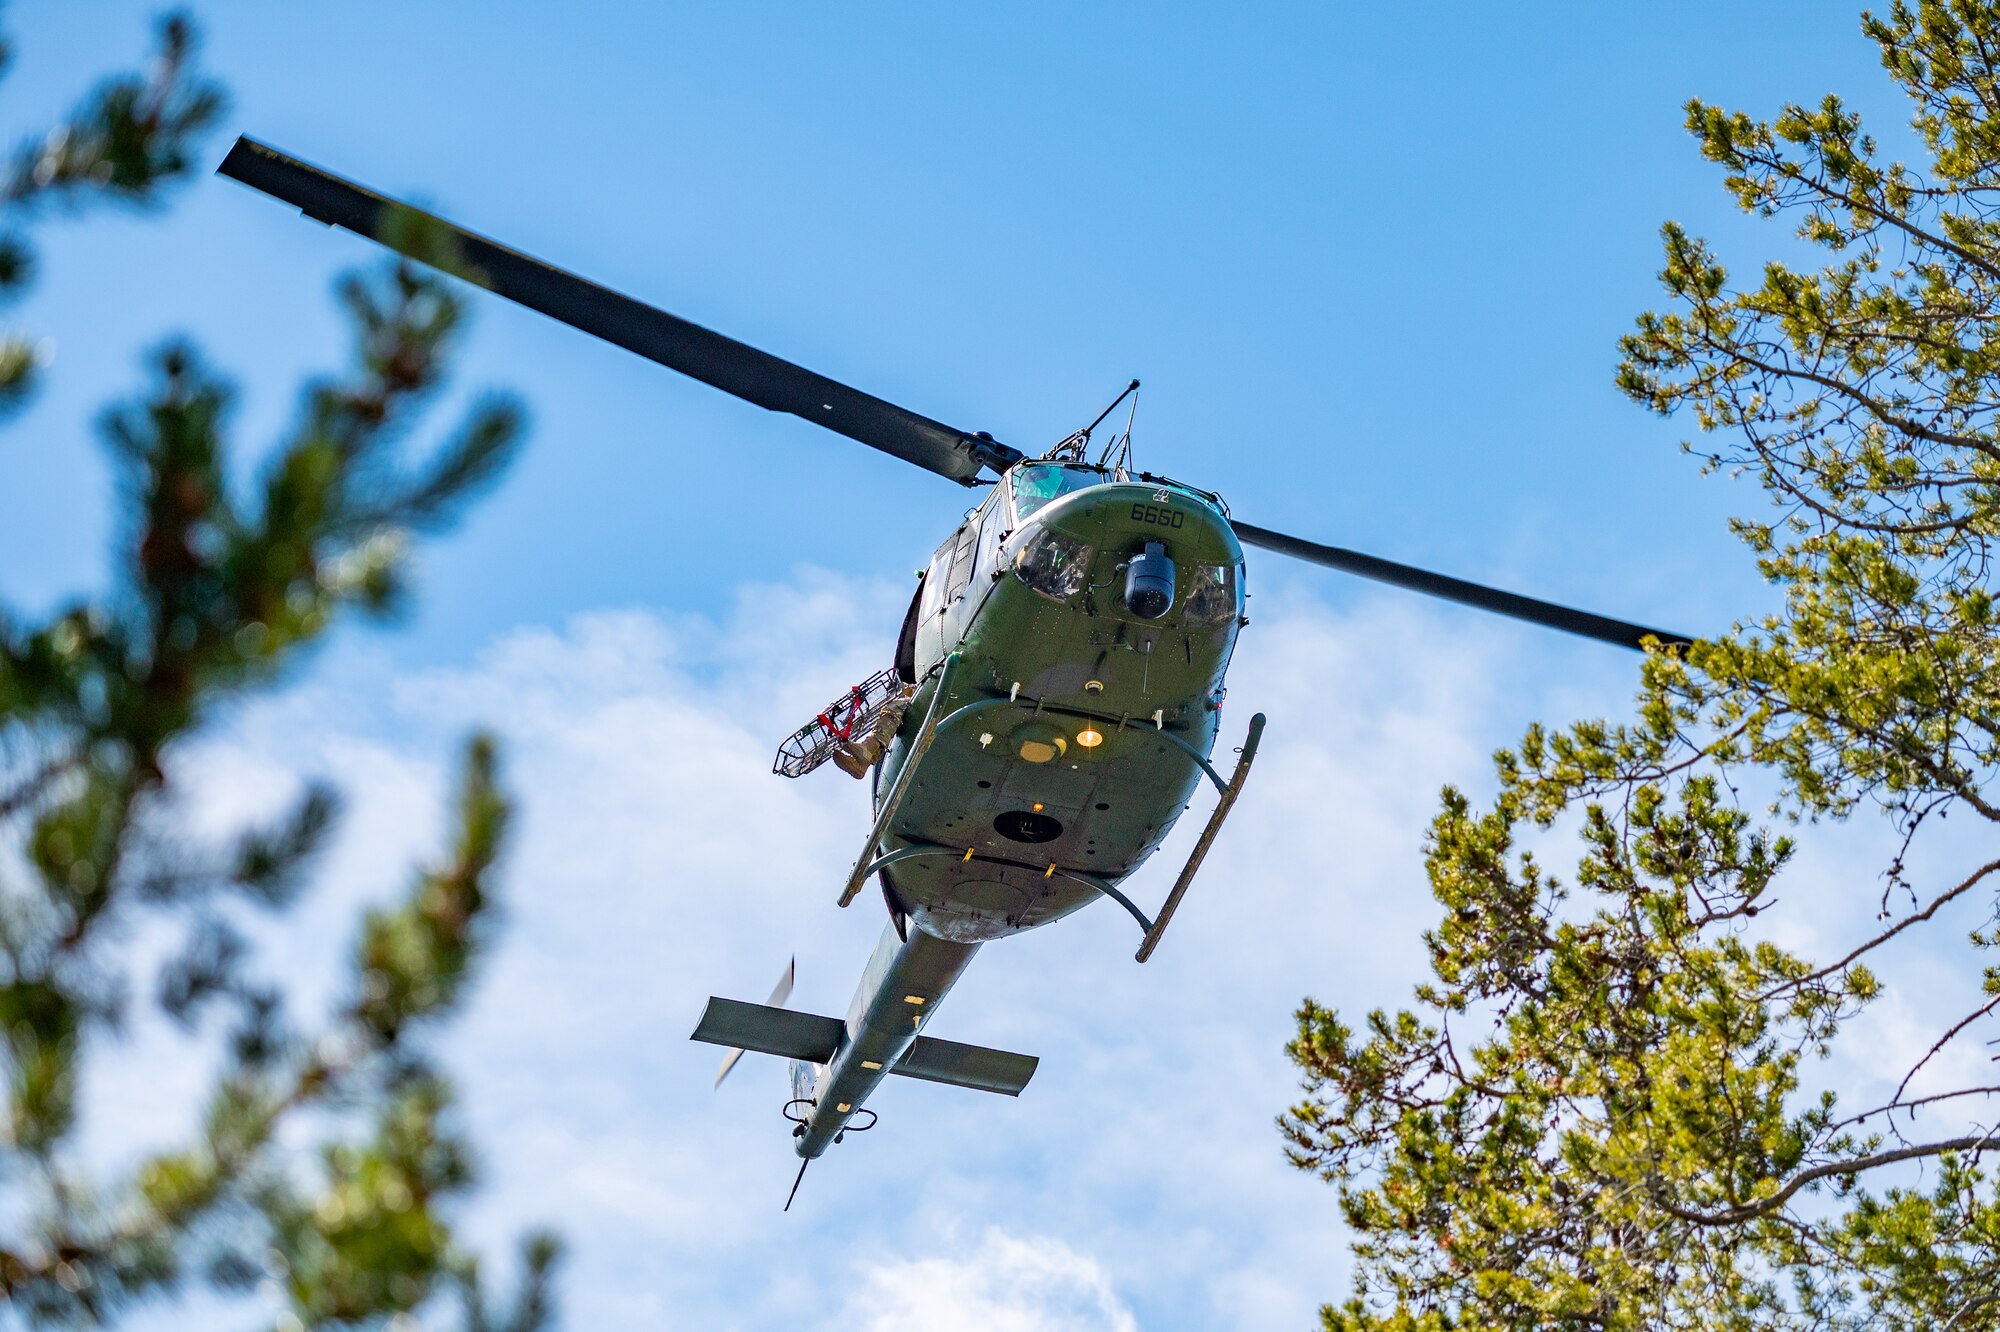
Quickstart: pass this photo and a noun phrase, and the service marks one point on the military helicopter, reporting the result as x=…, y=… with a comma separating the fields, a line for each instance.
x=1054, y=698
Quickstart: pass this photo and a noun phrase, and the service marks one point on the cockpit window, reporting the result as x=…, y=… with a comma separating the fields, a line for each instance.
x=1215, y=594
x=1035, y=484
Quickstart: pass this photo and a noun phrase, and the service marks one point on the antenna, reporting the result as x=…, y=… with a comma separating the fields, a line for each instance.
x=1072, y=446
x=1122, y=445
x=1130, y=389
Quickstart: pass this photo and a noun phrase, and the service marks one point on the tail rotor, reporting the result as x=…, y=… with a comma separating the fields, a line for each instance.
x=779, y=994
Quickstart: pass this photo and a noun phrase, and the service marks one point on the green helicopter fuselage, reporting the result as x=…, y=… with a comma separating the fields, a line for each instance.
x=1077, y=771
x=1071, y=731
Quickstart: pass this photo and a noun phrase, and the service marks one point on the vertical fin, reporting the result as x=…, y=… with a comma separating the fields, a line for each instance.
x=805, y=1079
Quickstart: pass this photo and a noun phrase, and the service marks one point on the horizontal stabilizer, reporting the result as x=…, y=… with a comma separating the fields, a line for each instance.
x=767, y=1030
x=972, y=1066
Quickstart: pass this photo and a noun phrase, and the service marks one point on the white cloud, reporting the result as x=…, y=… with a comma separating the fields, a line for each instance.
x=1002, y=1284
x=657, y=860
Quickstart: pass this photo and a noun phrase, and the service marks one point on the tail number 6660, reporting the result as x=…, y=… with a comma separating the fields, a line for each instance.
x=1157, y=514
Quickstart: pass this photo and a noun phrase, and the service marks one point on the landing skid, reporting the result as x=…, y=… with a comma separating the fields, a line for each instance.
x=1230, y=790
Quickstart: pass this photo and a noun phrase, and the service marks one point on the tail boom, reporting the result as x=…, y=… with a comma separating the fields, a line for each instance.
x=898, y=992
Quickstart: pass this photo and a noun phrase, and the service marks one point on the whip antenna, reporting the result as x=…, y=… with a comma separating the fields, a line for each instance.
x=1130, y=389
x=1075, y=445
x=1122, y=445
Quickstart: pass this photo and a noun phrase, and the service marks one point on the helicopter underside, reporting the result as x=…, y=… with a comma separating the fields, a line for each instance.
x=986, y=901
x=1073, y=732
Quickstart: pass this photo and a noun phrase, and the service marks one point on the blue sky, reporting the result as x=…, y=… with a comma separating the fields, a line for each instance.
x=1371, y=263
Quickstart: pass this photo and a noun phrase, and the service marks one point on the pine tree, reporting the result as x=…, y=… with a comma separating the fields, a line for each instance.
x=1592, y=1116
x=219, y=590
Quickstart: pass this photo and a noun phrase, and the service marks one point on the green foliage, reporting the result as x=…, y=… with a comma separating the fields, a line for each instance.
x=1595, y=1113
x=219, y=589
x=128, y=140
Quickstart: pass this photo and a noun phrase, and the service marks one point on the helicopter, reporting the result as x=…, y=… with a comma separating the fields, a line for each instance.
x=1054, y=699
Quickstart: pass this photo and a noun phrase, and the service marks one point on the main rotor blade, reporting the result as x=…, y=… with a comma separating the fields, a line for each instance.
x=1603, y=628
x=722, y=362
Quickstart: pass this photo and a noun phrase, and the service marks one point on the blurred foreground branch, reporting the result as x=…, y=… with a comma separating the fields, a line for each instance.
x=218, y=591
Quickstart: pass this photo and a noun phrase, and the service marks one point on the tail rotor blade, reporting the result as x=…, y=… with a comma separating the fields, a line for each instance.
x=783, y=989
x=779, y=994
x=728, y=1063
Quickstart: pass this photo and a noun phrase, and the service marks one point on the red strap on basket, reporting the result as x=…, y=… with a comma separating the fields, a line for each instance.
x=845, y=730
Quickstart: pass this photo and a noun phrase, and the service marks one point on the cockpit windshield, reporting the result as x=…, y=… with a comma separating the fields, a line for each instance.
x=1035, y=484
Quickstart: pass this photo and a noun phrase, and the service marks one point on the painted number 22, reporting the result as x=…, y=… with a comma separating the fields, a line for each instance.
x=1159, y=514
